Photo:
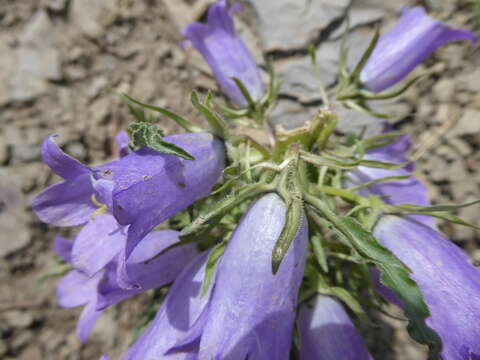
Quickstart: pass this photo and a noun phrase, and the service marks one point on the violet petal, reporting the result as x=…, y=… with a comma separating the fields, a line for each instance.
x=76, y=289
x=97, y=243
x=67, y=203
x=61, y=164
x=181, y=308
x=63, y=248
x=154, y=274
x=122, y=140
x=87, y=320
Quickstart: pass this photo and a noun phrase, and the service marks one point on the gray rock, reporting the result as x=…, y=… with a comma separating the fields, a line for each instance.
x=3, y=347
x=25, y=152
x=22, y=339
x=3, y=150
x=293, y=24
x=472, y=80
x=445, y=112
x=464, y=187
x=352, y=122
x=444, y=89
x=291, y=114
x=7, y=64
x=19, y=319
x=297, y=75
x=32, y=353
x=469, y=123
x=436, y=168
x=92, y=17
x=13, y=220
x=98, y=84
x=37, y=59
x=425, y=109
x=76, y=150
x=57, y=5
x=359, y=16
x=461, y=146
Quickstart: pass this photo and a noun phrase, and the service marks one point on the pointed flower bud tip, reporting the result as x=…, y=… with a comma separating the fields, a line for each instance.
x=226, y=54
x=407, y=44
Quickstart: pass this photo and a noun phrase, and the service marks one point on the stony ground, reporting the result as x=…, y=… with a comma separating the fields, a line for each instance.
x=59, y=58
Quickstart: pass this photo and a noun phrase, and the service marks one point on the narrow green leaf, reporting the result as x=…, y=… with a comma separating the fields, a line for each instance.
x=366, y=55
x=246, y=94
x=290, y=190
x=212, y=261
x=364, y=109
x=289, y=232
x=169, y=148
x=342, y=163
x=396, y=276
x=224, y=206
x=434, y=208
x=319, y=252
x=381, y=165
x=390, y=95
x=187, y=125
x=216, y=123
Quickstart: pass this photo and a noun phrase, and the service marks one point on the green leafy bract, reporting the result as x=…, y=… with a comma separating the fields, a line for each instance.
x=396, y=276
x=151, y=135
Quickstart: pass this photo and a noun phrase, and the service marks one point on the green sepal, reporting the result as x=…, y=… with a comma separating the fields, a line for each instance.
x=452, y=218
x=151, y=135
x=346, y=164
x=224, y=206
x=363, y=108
x=289, y=232
x=319, y=252
x=216, y=123
x=368, y=96
x=381, y=140
x=417, y=209
x=273, y=88
x=438, y=211
x=246, y=94
x=182, y=122
x=291, y=192
x=212, y=261
x=354, y=76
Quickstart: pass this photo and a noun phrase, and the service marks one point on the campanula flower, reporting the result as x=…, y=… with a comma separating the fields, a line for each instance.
x=327, y=333
x=150, y=187
x=141, y=189
x=226, y=54
x=407, y=44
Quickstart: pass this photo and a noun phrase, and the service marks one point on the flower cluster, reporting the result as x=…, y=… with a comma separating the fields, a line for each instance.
x=263, y=245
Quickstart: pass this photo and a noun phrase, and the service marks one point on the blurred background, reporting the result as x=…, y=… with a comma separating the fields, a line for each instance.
x=59, y=58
